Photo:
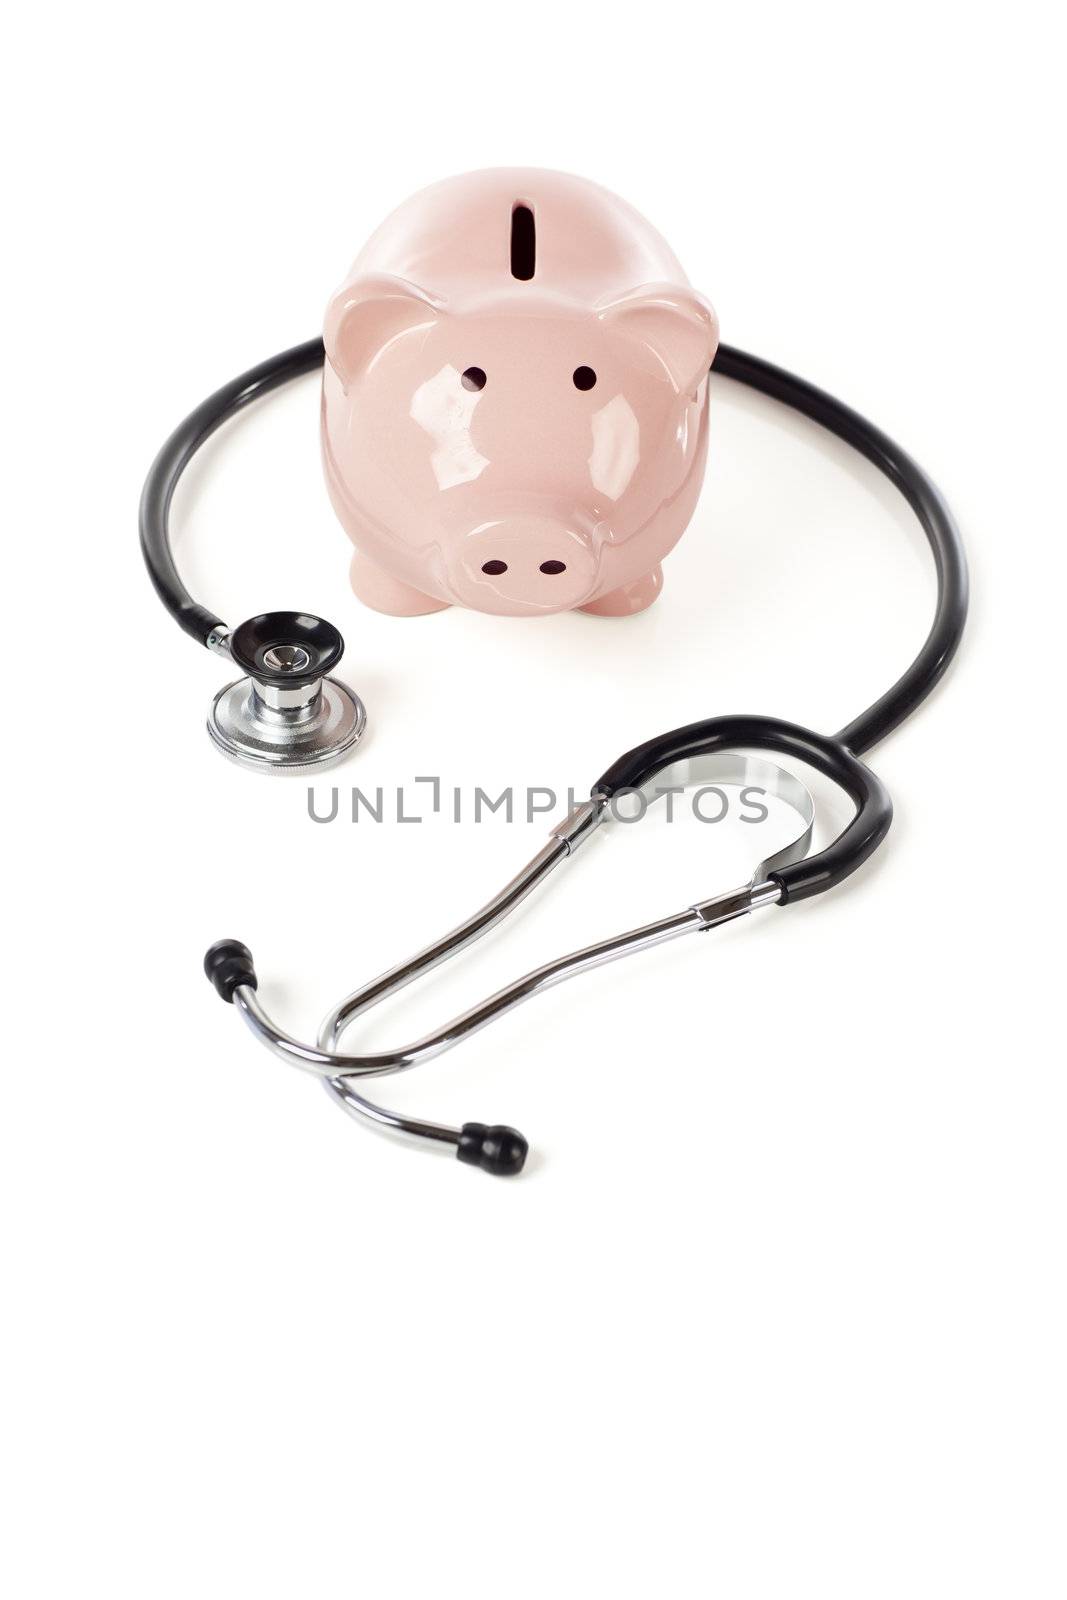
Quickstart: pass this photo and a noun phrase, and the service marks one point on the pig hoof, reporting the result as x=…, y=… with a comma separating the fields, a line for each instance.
x=382, y=593
x=630, y=599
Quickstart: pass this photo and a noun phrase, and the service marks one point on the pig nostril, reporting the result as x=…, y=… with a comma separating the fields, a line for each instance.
x=494, y=568
x=550, y=568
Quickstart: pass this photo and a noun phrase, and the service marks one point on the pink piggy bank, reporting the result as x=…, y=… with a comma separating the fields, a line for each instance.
x=514, y=408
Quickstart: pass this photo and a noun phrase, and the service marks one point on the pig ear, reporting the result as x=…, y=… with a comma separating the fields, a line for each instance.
x=674, y=323
x=366, y=314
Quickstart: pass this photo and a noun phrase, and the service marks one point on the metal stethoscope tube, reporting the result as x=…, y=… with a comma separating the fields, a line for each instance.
x=489, y=1147
x=731, y=905
x=498, y=1148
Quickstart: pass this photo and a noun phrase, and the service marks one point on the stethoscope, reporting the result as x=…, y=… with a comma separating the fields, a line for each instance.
x=286, y=712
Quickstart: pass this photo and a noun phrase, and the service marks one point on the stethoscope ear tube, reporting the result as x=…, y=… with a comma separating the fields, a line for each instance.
x=874, y=809
x=172, y=460
x=928, y=504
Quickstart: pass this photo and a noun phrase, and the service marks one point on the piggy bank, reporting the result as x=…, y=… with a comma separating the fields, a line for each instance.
x=514, y=405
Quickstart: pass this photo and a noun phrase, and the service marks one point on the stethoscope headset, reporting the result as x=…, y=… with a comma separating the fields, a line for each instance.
x=287, y=712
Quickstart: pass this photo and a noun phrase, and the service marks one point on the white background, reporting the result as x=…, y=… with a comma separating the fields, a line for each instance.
x=778, y=1308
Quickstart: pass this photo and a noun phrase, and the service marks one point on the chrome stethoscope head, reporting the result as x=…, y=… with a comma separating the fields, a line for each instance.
x=286, y=712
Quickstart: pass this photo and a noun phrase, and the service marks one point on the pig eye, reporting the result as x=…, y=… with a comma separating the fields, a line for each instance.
x=584, y=377
x=473, y=378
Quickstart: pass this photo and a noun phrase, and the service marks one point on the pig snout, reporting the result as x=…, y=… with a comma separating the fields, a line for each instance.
x=522, y=567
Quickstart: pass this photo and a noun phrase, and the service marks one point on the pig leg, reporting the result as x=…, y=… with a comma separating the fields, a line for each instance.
x=632, y=597
x=383, y=593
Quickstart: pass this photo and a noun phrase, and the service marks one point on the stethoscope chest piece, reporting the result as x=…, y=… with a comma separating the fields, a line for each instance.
x=286, y=713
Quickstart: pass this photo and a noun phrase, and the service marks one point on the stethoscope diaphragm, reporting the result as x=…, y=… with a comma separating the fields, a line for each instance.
x=286, y=713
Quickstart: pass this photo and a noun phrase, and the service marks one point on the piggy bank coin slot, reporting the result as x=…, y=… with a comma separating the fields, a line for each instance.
x=523, y=243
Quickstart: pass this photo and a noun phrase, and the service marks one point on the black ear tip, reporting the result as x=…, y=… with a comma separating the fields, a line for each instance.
x=228, y=964
x=498, y=1149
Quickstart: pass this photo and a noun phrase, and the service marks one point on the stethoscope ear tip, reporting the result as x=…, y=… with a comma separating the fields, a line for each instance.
x=499, y=1150
x=228, y=965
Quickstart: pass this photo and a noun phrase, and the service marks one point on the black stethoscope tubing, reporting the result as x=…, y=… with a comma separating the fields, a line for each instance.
x=837, y=755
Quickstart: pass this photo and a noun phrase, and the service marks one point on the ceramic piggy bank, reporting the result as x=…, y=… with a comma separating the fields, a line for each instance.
x=514, y=410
